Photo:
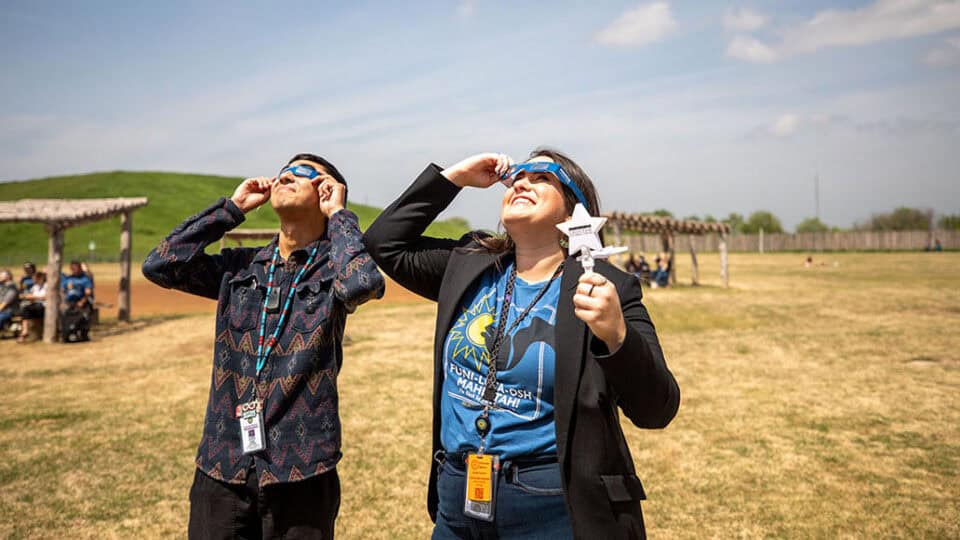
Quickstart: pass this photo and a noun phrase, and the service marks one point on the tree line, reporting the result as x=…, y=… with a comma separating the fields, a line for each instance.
x=899, y=219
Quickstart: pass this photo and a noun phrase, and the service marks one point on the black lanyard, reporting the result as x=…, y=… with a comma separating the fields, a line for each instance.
x=490, y=386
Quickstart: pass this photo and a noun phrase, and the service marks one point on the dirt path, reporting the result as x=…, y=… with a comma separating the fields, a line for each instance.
x=148, y=299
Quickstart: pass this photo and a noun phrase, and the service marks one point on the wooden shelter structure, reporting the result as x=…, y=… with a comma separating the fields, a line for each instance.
x=58, y=215
x=667, y=228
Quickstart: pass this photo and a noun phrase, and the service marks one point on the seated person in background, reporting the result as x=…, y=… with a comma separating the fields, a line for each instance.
x=661, y=276
x=77, y=289
x=29, y=269
x=89, y=272
x=77, y=306
x=644, y=270
x=9, y=296
x=32, y=304
x=639, y=267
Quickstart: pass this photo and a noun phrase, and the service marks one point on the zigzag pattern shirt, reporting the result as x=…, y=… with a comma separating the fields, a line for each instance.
x=299, y=382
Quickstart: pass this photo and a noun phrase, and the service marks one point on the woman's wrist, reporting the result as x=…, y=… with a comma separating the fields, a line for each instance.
x=454, y=175
x=615, y=341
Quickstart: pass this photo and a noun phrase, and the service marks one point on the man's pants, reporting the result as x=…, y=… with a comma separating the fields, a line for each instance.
x=304, y=509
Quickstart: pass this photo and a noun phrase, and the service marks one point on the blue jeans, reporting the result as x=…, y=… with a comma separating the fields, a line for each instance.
x=529, y=504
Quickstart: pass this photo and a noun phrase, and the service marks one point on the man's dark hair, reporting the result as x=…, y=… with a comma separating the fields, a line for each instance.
x=74, y=262
x=326, y=165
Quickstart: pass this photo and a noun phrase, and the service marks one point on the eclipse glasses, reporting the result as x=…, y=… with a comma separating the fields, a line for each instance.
x=302, y=171
x=544, y=167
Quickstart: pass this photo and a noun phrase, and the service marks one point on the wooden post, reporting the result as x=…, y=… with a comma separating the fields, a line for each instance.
x=724, y=274
x=51, y=315
x=693, y=257
x=673, y=261
x=123, y=299
x=761, y=239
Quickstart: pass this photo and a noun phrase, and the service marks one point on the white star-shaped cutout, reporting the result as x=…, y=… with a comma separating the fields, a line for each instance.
x=583, y=237
x=582, y=230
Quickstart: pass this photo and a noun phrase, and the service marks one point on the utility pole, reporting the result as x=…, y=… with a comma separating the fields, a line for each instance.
x=816, y=193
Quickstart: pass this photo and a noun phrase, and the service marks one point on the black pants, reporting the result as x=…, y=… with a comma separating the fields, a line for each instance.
x=304, y=509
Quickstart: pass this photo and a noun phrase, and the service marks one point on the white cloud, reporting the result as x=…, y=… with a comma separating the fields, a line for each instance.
x=751, y=49
x=743, y=20
x=785, y=126
x=946, y=55
x=641, y=25
x=883, y=20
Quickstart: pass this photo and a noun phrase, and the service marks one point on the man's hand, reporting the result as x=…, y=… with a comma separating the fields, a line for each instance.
x=332, y=194
x=252, y=192
x=481, y=170
x=597, y=303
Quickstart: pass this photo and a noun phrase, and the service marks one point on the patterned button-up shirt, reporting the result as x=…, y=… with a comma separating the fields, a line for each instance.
x=298, y=384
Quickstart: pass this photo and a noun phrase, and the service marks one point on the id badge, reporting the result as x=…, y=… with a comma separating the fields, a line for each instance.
x=480, y=498
x=250, y=415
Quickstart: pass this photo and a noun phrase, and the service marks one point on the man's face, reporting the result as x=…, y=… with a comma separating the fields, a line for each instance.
x=75, y=269
x=291, y=191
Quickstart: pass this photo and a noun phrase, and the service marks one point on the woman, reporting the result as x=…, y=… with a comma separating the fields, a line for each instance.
x=33, y=311
x=573, y=347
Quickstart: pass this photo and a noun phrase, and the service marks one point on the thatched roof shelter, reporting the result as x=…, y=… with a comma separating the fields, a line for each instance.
x=58, y=215
x=666, y=228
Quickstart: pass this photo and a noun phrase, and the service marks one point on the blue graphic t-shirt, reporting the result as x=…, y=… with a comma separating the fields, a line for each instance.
x=73, y=286
x=522, y=422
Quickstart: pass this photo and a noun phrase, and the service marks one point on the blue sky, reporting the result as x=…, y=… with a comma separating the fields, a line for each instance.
x=698, y=107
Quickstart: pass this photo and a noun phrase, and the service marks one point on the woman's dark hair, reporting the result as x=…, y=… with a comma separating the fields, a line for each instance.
x=326, y=165
x=503, y=243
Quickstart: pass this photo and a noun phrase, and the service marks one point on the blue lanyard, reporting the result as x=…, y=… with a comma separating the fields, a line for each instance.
x=264, y=352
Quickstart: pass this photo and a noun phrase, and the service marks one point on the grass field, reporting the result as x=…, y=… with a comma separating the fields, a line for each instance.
x=817, y=402
x=173, y=197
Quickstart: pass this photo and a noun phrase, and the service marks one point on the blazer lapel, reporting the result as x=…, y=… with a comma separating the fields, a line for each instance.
x=571, y=340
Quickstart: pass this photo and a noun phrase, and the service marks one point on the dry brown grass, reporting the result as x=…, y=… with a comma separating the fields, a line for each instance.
x=821, y=402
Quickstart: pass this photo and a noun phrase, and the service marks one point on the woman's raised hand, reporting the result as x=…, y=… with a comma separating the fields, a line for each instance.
x=481, y=170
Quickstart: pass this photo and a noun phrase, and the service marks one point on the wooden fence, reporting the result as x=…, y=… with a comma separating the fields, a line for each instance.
x=812, y=242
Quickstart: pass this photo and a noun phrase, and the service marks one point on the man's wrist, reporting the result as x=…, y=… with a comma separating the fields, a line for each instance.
x=239, y=205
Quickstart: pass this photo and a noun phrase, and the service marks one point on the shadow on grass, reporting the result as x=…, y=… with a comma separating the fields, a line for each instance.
x=113, y=327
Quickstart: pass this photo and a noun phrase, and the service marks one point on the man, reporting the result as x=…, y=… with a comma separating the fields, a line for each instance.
x=77, y=308
x=271, y=437
x=9, y=297
x=77, y=288
x=26, y=281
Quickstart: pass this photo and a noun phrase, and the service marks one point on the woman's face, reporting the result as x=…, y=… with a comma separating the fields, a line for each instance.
x=534, y=200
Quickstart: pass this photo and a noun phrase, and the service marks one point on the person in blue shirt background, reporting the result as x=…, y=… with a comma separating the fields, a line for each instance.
x=76, y=288
x=26, y=281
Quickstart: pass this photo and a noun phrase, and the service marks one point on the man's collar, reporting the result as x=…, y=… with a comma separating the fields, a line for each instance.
x=298, y=255
x=266, y=252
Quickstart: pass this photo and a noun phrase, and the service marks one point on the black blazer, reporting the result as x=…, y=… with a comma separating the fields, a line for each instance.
x=601, y=487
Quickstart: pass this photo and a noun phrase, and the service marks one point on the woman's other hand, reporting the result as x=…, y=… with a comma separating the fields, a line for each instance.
x=597, y=303
x=481, y=170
